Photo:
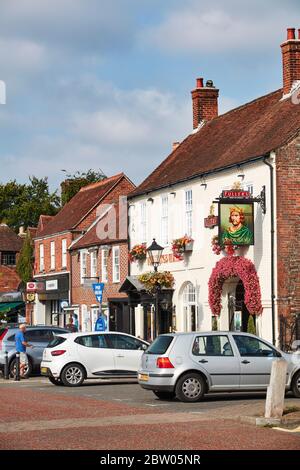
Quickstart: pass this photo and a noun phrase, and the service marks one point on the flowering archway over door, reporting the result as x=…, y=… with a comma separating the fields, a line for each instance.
x=235, y=266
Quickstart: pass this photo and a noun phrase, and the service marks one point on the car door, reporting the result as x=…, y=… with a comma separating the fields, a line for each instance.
x=215, y=354
x=256, y=358
x=128, y=352
x=95, y=354
x=39, y=339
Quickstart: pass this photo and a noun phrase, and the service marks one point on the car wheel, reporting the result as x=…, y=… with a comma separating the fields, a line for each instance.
x=190, y=387
x=12, y=369
x=296, y=384
x=164, y=395
x=73, y=375
x=55, y=381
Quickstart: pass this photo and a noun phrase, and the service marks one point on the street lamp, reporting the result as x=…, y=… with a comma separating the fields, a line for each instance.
x=155, y=252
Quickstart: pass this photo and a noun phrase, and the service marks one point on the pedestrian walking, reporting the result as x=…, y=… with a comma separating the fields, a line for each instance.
x=21, y=345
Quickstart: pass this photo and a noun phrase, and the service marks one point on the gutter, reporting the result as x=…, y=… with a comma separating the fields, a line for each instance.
x=199, y=175
x=267, y=162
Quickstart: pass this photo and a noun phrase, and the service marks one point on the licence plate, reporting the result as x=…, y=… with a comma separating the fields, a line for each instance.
x=44, y=370
x=144, y=377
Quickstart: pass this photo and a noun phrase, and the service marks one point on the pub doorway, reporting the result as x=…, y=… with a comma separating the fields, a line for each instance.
x=237, y=310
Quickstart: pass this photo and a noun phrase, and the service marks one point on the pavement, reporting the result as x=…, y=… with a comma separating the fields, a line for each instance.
x=122, y=416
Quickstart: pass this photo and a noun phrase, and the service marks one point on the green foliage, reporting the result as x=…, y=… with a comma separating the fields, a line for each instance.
x=22, y=204
x=25, y=261
x=214, y=324
x=75, y=182
x=251, y=326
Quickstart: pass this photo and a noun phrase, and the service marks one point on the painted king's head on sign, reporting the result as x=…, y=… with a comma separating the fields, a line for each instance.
x=240, y=230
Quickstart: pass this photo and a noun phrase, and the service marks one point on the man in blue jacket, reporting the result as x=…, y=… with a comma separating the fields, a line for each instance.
x=21, y=345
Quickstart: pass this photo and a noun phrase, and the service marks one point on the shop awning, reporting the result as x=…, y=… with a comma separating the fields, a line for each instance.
x=6, y=306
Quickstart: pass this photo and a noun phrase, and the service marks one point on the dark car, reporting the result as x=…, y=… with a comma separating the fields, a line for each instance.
x=38, y=336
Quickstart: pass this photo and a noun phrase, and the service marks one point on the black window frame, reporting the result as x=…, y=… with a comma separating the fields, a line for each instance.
x=169, y=340
x=275, y=352
x=8, y=254
x=79, y=338
x=111, y=335
x=212, y=355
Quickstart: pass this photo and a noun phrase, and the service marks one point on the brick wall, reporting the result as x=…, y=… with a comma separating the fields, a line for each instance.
x=85, y=295
x=288, y=228
x=123, y=188
x=205, y=103
x=58, y=253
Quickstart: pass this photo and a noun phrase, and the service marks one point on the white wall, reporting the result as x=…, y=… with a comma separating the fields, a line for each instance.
x=197, y=267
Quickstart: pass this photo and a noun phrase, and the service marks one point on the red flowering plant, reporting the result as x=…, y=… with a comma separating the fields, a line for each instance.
x=229, y=248
x=235, y=266
x=179, y=246
x=137, y=253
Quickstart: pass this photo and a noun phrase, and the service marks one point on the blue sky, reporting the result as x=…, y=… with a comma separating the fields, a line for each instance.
x=106, y=84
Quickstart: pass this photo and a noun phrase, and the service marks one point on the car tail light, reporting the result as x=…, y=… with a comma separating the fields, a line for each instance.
x=58, y=352
x=164, y=363
x=2, y=335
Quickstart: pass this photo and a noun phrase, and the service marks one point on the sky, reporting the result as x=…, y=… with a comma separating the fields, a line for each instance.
x=105, y=84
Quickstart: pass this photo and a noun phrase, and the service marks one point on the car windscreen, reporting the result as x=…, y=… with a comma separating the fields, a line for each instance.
x=160, y=345
x=56, y=341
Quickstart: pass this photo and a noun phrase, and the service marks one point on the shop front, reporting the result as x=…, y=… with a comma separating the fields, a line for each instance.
x=52, y=305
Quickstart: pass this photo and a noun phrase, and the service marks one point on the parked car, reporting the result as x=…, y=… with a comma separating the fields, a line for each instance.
x=70, y=359
x=38, y=336
x=188, y=365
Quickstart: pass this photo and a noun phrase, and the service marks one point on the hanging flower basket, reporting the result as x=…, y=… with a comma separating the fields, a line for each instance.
x=229, y=248
x=137, y=253
x=235, y=266
x=152, y=280
x=182, y=245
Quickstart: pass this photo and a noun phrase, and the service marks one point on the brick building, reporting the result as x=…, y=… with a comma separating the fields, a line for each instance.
x=95, y=258
x=255, y=147
x=55, y=235
x=10, y=297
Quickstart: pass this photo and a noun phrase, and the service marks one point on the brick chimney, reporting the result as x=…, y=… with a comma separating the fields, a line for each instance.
x=290, y=60
x=205, y=102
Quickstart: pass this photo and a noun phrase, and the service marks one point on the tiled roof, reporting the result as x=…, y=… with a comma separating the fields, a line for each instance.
x=9, y=240
x=91, y=237
x=79, y=206
x=240, y=135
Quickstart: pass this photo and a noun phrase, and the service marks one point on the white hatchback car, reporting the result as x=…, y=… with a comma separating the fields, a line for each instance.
x=71, y=358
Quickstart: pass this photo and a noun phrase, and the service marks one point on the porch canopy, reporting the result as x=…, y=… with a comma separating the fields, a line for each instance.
x=137, y=293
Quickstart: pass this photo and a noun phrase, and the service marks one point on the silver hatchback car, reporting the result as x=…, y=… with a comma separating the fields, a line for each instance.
x=188, y=365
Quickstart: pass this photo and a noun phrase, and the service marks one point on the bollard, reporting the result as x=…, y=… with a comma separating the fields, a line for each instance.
x=17, y=376
x=276, y=390
x=6, y=368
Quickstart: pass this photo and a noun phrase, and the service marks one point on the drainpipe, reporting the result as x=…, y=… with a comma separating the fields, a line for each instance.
x=272, y=244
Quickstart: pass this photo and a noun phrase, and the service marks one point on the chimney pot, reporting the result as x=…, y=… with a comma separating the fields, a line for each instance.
x=290, y=33
x=205, y=102
x=290, y=60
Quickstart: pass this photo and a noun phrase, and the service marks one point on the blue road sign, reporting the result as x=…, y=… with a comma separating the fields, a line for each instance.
x=101, y=323
x=98, y=291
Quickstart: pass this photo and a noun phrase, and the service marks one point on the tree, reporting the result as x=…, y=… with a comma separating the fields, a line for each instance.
x=75, y=182
x=251, y=326
x=25, y=262
x=22, y=204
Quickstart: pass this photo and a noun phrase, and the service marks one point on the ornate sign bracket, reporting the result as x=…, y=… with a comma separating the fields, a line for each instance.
x=261, y=199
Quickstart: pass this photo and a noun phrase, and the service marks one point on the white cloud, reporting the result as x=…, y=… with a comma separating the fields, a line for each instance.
x=220, y=26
